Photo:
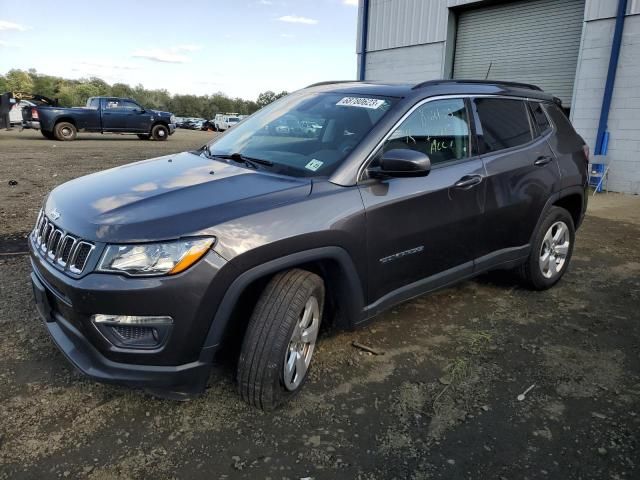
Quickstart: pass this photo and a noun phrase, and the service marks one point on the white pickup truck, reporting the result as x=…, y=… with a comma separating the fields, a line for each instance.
x=224, y=121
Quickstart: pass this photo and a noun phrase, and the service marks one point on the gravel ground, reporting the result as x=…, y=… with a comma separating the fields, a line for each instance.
x=440, y=403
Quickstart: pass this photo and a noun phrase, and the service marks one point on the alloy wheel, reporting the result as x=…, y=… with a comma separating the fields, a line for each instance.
x=301, y=345
x=554, y=249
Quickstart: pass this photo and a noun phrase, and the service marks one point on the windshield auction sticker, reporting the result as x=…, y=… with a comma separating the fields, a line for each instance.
x=314, y=165
x=361, y=102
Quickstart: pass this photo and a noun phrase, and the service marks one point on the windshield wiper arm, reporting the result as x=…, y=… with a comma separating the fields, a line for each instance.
x=240, y=158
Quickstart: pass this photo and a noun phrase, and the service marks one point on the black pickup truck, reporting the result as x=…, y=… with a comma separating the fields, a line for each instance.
x=101, y=114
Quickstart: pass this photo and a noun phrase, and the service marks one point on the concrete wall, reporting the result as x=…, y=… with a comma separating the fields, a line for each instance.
x=624, y=118
x=408, y=64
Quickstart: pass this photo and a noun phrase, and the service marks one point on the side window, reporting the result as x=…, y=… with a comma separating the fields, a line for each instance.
x=439, y=128
x=95, y=103
x=116, y=103
x=540, y=118
x=504, y=123
x=127, y=105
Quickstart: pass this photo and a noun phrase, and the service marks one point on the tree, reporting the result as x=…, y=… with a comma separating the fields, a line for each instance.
x=19, y=81
x=265, y=98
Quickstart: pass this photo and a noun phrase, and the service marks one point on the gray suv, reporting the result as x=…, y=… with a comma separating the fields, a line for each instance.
x=143, y=273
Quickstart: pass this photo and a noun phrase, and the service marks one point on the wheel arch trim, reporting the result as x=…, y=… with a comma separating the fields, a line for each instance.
x=553, y=199
x=353, y=298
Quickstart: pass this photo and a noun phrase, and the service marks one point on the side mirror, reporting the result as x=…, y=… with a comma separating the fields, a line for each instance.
x=139, y=110
x=402, y=162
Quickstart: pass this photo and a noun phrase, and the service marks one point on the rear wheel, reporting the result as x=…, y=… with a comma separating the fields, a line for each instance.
x=48, y=135
x=160, y=132
x=65, y=131
x=278, y=346
x=144, y=136
x=551, y=250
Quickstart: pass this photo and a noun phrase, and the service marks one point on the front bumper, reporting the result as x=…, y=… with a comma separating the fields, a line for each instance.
x=179, y=367
x=172, y=128
x=174, y=381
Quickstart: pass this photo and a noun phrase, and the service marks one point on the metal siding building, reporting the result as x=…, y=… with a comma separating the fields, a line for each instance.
x=562, y=45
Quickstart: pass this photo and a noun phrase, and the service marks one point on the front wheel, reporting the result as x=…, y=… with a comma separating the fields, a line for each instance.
x=280, y=339
x=551, y=250
x=65, y=131
x=160, y=132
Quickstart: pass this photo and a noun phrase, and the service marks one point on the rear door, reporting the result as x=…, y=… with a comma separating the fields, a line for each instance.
x=522, y=173
x=425, y=226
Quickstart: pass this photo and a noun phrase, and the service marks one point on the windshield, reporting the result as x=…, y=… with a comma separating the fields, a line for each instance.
x=305, y=134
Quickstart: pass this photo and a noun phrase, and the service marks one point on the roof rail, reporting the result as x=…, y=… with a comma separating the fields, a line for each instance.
x=481, y=82
x=329, y=82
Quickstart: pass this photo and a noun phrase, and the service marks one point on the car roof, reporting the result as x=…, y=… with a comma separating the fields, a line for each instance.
x=434, y=88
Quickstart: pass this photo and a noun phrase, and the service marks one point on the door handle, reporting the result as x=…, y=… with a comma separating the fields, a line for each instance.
x=543, y=160
x=468, y=181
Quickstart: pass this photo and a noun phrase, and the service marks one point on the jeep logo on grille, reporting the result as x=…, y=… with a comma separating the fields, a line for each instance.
x=54, y=214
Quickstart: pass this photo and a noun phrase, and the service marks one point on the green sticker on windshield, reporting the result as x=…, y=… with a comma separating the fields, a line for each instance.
x=314, y=165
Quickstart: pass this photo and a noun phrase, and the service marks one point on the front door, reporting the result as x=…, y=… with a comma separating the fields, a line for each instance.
x=424, y=231
x=122, y=115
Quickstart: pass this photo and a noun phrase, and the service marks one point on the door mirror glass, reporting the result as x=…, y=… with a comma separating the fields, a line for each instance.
x=402, y=163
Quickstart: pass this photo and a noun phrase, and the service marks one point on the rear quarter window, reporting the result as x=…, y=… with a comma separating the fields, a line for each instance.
x=559, y=119
x=540, y=118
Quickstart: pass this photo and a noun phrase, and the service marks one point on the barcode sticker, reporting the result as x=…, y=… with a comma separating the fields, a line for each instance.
x=361, y=102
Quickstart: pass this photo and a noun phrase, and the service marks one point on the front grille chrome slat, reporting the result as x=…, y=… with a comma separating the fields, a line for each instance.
x=80, y=256
x=64, y=250
x=54, y=243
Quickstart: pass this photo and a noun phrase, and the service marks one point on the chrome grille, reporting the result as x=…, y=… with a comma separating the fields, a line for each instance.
x=63, y=249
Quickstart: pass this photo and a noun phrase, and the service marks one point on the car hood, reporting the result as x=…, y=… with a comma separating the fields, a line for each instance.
x=160, y=113
x=166, y=197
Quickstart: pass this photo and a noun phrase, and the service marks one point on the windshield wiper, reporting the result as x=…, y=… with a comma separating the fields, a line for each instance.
x=240, y=158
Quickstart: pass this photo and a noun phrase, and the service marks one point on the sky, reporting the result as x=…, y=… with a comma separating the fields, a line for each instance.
x=239, y=47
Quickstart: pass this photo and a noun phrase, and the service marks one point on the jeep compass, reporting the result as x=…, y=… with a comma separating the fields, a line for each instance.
x=143, y=273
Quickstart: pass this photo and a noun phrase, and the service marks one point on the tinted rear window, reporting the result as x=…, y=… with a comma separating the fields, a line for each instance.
x=504, y=123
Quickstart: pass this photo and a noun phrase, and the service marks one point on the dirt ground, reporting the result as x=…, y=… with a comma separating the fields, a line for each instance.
x=440, y=403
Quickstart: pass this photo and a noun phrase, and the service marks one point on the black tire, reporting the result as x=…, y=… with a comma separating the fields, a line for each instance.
x=533, y=271
x=270, y=335
x=65, y=131
x=144, y=136
x=47, y=134
x=160, y=132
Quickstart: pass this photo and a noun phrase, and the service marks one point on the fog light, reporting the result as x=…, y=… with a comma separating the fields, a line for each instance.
x=131, y=319
x=134, y=331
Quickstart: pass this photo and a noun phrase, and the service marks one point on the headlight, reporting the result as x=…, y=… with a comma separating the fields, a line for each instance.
x=154, y=258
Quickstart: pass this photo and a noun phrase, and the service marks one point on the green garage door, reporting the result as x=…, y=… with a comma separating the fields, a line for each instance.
x=534, y=41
